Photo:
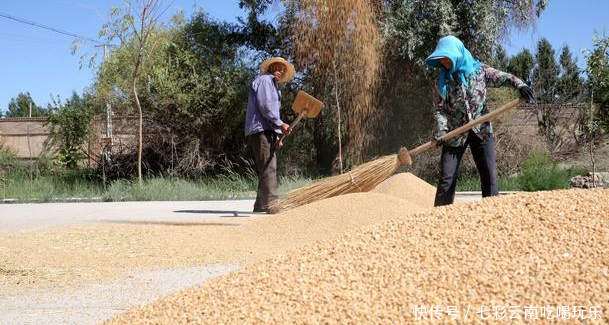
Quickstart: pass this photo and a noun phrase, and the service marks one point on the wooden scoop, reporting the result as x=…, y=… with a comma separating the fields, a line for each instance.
x=306, y=106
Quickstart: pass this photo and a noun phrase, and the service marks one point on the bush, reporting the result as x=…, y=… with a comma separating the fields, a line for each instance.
x=539, y=173
x=70, y=128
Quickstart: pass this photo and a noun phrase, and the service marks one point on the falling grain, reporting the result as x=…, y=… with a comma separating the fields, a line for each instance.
x=339, y=40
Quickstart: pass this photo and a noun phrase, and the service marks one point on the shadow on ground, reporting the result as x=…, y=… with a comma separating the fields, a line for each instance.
x=234, y=214
x=171, y=223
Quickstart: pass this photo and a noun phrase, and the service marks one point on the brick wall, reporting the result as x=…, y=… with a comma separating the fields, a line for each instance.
x=25, y=136
x=29, y=137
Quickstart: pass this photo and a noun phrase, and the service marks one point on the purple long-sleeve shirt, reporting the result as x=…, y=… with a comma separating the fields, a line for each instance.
x=263, y=106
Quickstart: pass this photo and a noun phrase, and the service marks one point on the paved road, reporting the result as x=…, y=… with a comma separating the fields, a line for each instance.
x=93, y=303
x=28, y=217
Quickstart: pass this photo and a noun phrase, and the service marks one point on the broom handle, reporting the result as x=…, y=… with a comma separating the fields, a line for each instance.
x=279, y=143
x=462, y=129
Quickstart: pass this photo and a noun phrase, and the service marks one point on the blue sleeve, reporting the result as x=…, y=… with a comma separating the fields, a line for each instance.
x=268, y=101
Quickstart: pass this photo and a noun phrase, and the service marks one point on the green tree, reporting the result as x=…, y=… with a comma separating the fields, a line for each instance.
x=193, y=89
x=135, y=29
x=20, y=107
x=413, y=27
x=521, y=65
x=545, y=86
x=199, y=93
x=545, y=73
x=259, y=34
x=70, y=129
x=501, y=60
x=597, y=68
x=570, y=84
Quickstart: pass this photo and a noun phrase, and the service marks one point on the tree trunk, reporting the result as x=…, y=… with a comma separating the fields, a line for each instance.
x=139, y=134
x=140, y=121
x=340, y=141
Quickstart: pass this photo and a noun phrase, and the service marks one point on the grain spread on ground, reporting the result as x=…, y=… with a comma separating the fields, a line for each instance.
x=524, y=250
x=92, y=253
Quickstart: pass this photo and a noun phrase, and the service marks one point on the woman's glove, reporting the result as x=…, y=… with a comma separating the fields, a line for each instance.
x=437, y=137
x=526, y=93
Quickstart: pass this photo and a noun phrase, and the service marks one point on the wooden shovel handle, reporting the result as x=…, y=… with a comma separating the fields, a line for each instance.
x=279, y=142
x=462, y=129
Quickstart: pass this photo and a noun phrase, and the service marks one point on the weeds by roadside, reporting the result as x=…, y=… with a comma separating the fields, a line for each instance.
x=41, y=181
x=51, y=183
x=537, y=173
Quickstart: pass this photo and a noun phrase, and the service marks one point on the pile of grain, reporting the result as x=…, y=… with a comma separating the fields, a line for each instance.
x=408, y=187
x=527, y=250
x=92, y=253
x=329, y=218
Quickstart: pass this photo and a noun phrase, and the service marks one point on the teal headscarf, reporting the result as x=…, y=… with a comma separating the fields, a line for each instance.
x=463, y=63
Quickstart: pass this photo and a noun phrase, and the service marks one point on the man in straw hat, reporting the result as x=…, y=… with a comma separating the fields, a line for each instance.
x=462, y=86
x=263, y=124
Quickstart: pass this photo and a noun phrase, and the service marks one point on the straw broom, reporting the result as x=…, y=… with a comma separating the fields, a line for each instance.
x=365, y=177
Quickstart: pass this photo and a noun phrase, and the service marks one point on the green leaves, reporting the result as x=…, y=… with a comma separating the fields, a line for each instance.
x=598, y=74
x=570, y=84
x=70, y=128
x=20, y=107
x=545, y=73
x=192, y=88
x=413, y=27
x=521, y=65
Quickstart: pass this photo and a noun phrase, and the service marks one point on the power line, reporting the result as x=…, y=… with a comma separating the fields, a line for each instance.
x=21, y=20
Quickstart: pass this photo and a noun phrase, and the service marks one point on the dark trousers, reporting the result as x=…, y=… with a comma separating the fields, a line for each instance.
x=262, y=146
x=485, y=159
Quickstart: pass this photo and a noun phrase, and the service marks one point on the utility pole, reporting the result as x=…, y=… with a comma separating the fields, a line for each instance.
x=108, y=147
x=29, y=147
x=107, y=140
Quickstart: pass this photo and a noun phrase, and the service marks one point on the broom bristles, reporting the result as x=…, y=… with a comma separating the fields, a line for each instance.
x=362, y=178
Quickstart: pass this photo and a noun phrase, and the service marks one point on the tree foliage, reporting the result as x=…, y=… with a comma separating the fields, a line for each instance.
x=194, y=85
x=500, y=60
x=136, y=29
x=570, y=84
x=413, y=27
x=70, y=129
x=545, y=73
x=545, y=87
x=193, y=88
x=20, y=107
x=597, y=68
x=521, y=65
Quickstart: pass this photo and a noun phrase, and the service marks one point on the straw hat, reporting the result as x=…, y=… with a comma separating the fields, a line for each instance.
x=289, y=73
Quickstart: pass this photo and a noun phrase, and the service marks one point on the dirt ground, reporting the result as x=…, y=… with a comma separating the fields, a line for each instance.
x=583, y=158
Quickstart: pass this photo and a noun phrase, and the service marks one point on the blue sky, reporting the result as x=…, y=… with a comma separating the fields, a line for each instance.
x=564, y=22
x=40, y=61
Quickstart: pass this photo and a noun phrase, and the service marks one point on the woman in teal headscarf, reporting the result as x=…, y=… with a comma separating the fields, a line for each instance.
x=462, y=88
